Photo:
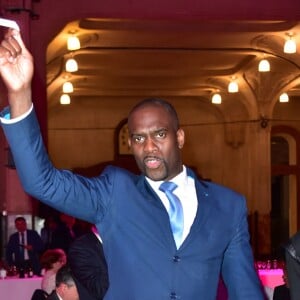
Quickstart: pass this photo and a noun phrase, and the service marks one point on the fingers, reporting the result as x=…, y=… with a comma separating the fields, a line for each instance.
x=12, y=44
x=17, y=37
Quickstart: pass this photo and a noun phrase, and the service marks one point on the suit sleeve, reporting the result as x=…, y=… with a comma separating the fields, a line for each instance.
x=83, y=198
x=238, y=270
x=9, y=251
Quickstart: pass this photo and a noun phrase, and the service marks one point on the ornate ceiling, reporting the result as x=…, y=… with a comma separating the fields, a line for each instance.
x=120, y=58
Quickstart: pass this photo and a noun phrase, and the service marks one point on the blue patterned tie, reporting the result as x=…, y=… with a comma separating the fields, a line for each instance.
x=175, y=212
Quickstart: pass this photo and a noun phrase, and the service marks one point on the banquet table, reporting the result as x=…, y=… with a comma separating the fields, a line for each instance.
x=18, y=288
x=271, y=278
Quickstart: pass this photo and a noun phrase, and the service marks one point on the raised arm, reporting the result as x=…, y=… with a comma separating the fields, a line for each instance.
x=16, y=69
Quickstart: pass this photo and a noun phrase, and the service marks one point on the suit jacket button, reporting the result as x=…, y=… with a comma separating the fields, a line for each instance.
x=176, y=258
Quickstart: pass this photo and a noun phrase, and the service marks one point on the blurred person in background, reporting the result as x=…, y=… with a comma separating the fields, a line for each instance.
x=282, y=292
x=50, y=225
x=24, y=248
x=65, y=286
x=88, y=264
x=65, y=233
x=51, y=261
x=292, y=257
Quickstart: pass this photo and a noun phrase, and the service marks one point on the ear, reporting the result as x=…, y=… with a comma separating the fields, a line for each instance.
x=180, y=138
x=61, y=289
x=129, y=142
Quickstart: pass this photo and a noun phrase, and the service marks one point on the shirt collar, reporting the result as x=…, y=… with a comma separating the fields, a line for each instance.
x=59, y=297
x=180, y=179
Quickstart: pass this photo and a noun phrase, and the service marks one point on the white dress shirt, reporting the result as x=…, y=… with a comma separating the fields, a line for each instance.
x=26, y=256
x=186, y=192
x=8, y=120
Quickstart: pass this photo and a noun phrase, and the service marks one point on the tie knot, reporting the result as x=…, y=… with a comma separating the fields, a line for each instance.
x=168, y=186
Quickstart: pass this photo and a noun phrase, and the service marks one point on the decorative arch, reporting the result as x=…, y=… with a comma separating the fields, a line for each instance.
x=290, y=168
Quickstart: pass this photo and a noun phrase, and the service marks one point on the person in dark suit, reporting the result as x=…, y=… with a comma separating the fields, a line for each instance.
x=88, y=264
x=65, y=233
x=282, y=292
x=50, y=226
x=66, y=288
x=24, y=248
x=166, y=233
x=292, y=258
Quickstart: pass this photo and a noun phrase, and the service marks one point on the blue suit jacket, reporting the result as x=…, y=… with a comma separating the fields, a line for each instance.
x=142, y=259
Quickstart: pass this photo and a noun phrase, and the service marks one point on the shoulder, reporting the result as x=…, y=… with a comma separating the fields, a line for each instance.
x=87, y=241
x=119, y=172
x=116, y=177
x=32, y=233
x=213, y=187
x=221, y=198
x=53, y=296
x=293, y=246
x=83, y=239
x=14, y=236
x=221, y=189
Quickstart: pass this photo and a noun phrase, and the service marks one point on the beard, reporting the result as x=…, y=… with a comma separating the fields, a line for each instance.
x=156, y=174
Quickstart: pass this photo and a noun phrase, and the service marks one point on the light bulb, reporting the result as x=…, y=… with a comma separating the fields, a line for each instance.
x=65, y=99
x=73, y=43
x=233, y=87
x=284, y=97
x=290, y=46
x=216, y=99
x=71, y=65
x=68, y=87
x=264, y=66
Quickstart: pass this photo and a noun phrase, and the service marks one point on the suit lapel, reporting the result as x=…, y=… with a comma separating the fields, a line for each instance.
x=203, y=215
x=160, y=215
x=148, y=193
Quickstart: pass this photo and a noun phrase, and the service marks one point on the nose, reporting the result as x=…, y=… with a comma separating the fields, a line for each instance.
x=150, y=145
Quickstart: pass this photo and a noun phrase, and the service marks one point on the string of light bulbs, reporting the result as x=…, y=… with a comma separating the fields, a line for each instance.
x=73, y=43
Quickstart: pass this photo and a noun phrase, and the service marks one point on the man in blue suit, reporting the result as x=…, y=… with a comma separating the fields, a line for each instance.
x=145, y=259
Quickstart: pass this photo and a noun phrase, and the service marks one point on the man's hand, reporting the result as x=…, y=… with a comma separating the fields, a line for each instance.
x=28, y=247
x=16, y=69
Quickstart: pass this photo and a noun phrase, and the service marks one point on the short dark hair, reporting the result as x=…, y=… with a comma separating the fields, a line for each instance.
x=20, y=219
x=158, y=102
x=64, y=275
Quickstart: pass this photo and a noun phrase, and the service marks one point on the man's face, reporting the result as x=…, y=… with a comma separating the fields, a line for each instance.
x=20, y=225
x=155, y=143
x=68, y=292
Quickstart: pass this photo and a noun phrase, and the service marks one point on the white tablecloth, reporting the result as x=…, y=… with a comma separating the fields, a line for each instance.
x=271, y=278
x=18, y=288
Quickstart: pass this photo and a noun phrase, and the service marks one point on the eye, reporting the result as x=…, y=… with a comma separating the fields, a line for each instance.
x=138, y=139
x=161, y=134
